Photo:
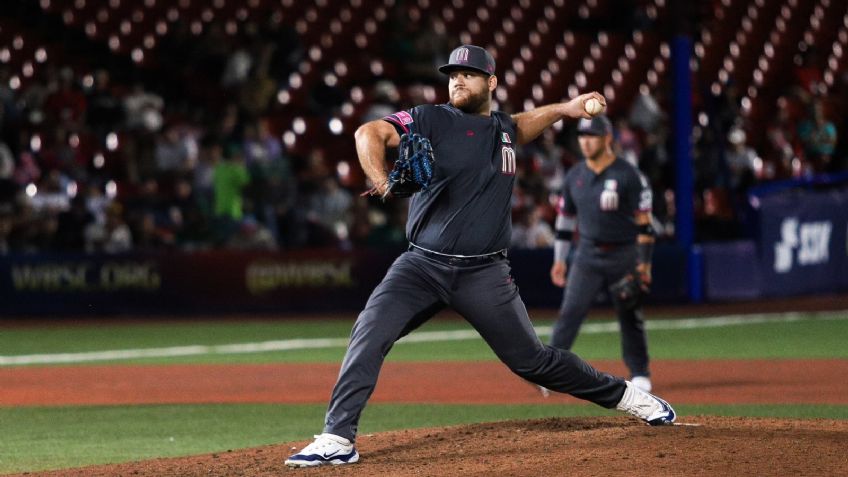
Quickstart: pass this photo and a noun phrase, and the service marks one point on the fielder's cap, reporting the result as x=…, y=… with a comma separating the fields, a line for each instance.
x=470, y=57
x=599, y=125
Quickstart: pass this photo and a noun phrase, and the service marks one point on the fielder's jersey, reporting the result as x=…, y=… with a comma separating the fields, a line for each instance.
x=466, y=210
x=606, y=204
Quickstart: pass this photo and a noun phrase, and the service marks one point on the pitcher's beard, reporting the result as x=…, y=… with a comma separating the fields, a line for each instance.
x=472, y=103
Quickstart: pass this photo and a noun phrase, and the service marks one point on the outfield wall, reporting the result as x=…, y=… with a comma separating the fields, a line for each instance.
x=800, y=248
x=221, y=281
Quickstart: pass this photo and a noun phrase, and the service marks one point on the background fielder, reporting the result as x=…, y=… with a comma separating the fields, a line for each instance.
x=608, y=201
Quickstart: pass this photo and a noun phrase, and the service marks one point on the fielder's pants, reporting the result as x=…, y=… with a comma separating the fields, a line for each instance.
x=593, y=270
x=417, y=286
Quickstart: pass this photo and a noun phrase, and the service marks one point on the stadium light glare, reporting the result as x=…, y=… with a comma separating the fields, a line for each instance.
x=336, y=126
x=299, y=125
x=112, y=141
x=35, y=143
x=111, y=189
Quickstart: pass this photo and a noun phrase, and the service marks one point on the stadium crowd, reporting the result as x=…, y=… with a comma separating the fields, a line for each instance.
x=91, y=164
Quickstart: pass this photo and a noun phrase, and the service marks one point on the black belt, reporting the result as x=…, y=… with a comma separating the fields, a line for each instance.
x=458, y=260
x=610, y=246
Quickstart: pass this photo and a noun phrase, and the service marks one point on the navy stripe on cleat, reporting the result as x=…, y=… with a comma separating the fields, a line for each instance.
x=647, y=407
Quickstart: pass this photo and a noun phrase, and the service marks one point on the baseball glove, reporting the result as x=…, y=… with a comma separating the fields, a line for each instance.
x=413, y=168
x=628, y=291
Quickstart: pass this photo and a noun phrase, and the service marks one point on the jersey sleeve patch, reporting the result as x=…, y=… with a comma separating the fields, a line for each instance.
x=401, y=118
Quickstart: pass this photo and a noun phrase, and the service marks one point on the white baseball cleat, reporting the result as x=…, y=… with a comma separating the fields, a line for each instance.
x=642, y=382
x=326, y=449
x=646, y=406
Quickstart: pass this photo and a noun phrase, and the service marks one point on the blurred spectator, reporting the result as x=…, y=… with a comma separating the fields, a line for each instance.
x=187, y=220
x=252, y=235
x=645, y=112
x=105, y=111
x=112, y=236
x=27, y=170
x=8, y=195
x=10, y=114
x=51, y=194
x=71, y=225
x=56, y=152
x=546, y=159
x=8, y=186
x=66, y=103
x=781, y=142
x=530, y=231
x=152, y=232
x=430, y=47
x=273, y=187
x=238, y=65
x=211, y=154
x=287, y=48
x=627, y=144
x=741, y=161
x=172, y=154
x=229, y=178
x=143, y=109
x=818, y=135
x=147, y=199
x=96, y=202
x=259, y=88
x=6, y=225
x=326, y=95
x=388, y=227
x=33, y=96
x=328, y=213
x=808, y=74
x=385, y=100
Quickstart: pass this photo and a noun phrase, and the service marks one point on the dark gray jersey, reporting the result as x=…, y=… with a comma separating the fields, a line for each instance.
x=466, y=210
x=606, y=204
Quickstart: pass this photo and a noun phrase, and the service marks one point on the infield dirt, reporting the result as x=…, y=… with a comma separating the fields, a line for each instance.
x=706, y=446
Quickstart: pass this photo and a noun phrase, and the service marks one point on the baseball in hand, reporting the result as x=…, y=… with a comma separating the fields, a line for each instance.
x=593, y=106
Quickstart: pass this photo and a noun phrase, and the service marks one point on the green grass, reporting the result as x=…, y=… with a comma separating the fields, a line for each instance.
x=779, y=340
x=39, y=438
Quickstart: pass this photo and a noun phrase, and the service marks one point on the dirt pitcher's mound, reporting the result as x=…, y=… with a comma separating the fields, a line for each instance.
x=707, y=446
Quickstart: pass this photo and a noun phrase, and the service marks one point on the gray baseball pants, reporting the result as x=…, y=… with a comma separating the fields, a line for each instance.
x=416, y=287
x=594, y=269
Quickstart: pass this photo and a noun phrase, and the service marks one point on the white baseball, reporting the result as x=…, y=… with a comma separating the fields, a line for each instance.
x=593, y=106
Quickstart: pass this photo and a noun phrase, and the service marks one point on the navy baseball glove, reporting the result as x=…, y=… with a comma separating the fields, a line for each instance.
x=413, y=168
x=628, y=291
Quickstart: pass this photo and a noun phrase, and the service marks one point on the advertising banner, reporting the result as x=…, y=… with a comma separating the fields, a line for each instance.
x=802, y=242
x=235, y=282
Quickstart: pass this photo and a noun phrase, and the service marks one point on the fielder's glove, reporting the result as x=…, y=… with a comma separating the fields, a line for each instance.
x=629, y=291
x=413, y=168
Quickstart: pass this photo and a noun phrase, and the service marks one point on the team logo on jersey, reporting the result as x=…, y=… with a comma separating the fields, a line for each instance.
x=507, y=160
x=505, y=138
x=403, y=117
x=646, y=198
x=609, y=196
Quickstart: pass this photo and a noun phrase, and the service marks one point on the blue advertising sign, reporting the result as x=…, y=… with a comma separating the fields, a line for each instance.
x=803, y=242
